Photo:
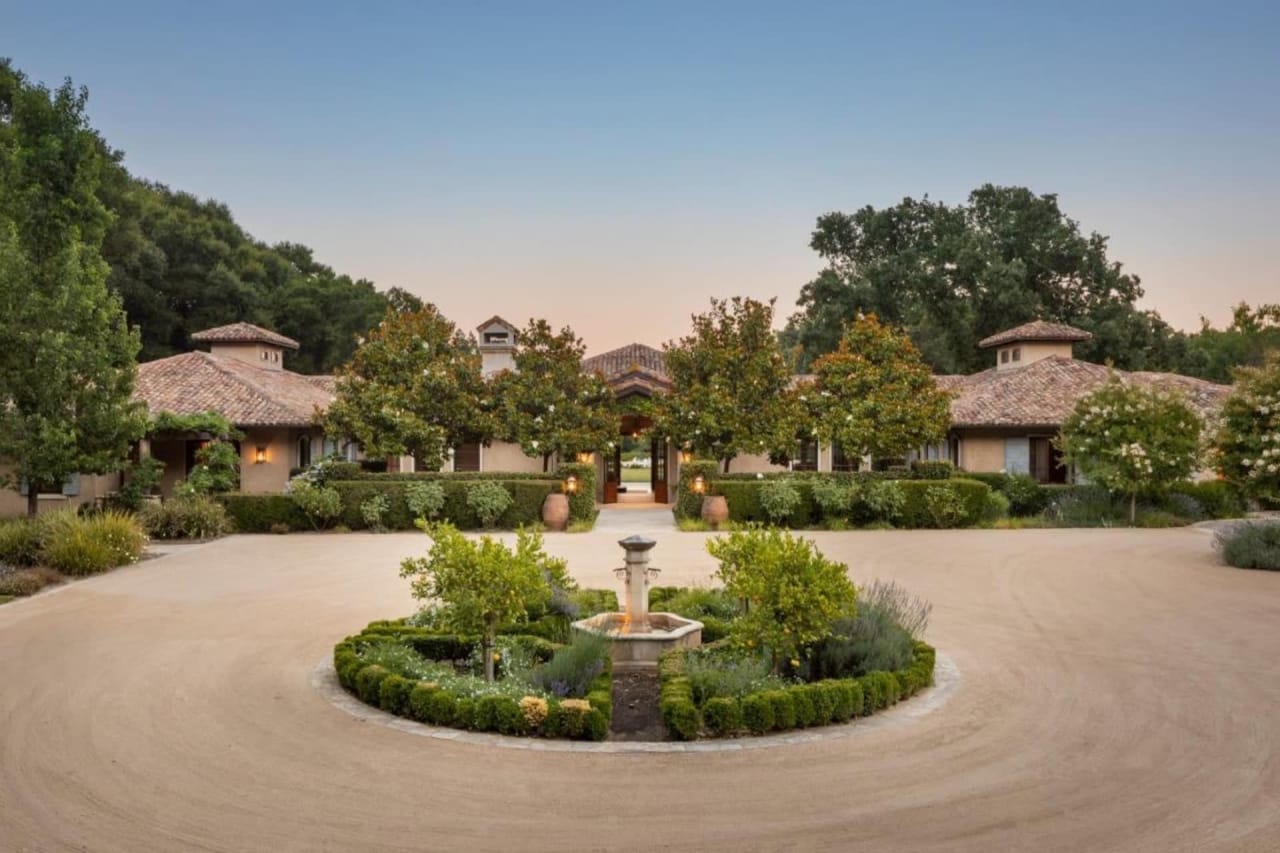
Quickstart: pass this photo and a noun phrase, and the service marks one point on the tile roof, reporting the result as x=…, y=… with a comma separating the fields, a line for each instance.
x=243, y=333
x=247, y=395
x=633, y=369
x=1044, y=392
x=1036, y=330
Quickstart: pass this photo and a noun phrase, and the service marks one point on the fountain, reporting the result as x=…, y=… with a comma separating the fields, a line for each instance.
x=638, y=637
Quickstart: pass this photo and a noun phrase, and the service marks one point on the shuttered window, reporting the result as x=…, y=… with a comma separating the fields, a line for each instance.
x=466, y=457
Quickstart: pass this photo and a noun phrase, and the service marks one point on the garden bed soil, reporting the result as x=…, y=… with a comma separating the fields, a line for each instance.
x=635, y=705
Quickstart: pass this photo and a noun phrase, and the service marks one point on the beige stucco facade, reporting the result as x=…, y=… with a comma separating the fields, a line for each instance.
x=1022, y=353
x=80, y=489
x=980, y=452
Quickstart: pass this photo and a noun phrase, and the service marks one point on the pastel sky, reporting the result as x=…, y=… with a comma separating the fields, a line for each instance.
x=613, y=166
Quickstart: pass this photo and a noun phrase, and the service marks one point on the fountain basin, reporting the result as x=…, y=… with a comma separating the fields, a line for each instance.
x=636, y=644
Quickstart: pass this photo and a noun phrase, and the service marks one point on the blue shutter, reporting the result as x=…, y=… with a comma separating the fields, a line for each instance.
x=71, y=487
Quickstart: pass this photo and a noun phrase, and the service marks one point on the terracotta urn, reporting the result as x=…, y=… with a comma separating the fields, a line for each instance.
x=555, y=512
x=715, y=510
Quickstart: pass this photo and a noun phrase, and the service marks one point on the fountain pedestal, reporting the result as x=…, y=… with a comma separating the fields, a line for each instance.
x=637, y=636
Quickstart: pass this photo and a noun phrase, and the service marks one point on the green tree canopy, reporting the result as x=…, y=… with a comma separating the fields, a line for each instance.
x=1132, y=440
x=1248, y=442
x=482, y=583
x=953, y=275
x=67, y=367
x=875, y=395
x=549, y=405
x=729, y=384
x=414, y=387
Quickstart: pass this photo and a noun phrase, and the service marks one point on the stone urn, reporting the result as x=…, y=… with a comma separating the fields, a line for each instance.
x=715, y=510
x=555, y=511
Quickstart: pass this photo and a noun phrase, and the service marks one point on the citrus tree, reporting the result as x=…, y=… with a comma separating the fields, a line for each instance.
x=482, y=583
x=1132, y=440
x=1248, y=442
x=414, y=386
x=791, y=592
x=875, y=395
x=549, y=405
x=730, y=382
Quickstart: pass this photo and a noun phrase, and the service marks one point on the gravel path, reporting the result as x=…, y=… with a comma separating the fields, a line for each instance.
x=1119, y=692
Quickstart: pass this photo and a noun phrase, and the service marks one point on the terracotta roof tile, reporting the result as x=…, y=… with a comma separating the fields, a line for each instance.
x=1036, y=330
x=247, y=395
x=1044, y=392
x=243, y=333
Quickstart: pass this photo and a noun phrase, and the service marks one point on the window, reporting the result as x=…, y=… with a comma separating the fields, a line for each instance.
x=806, y=458
x=466, y=457
x=841, y=462
x=304, y=451
x=1004, y=356
x=264, y=355
x=1017, y=353
x=496, y=337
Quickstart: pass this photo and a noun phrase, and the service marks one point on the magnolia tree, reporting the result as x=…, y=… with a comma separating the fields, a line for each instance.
x=1248, y=442
x=482, y=583
x=875, y=395
x=413, y=387
x=1132, y=440
x=791, y=592
x=548, y=404
x=729, y=382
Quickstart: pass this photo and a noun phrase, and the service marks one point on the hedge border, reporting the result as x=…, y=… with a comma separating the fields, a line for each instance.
x=427, y=703
x=811, y=705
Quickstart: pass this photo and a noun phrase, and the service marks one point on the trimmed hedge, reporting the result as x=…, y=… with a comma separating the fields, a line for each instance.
x=688, y=503
x=582, y=505
x=260, y=513
x=955, y=502
x=818, y=703
x=427, y=702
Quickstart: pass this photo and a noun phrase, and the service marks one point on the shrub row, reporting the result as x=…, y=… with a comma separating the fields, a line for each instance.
x=72, y=543
x=957, y=502
x=818, y=703
x=428, y=702
x=1212, y=498
x=262, y=513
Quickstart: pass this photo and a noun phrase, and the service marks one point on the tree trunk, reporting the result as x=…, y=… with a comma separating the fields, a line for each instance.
x=33, y=500
x=486, y=646
x=546, y=461
x=1133, y=509
x=727, y=460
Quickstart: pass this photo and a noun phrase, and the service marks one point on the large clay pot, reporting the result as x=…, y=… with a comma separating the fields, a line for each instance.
x=555, y=512
x=715, y=510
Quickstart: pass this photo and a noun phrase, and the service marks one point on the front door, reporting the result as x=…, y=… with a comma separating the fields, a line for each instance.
x=658, y=470
x=612, y=473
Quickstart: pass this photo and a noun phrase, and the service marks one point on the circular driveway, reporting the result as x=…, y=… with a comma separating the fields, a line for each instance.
x=1119, y=691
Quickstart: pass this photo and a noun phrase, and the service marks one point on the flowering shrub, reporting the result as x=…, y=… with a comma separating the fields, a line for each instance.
x=488, y=500
x=1132, y=440
x=321, y=504
x=86, y=545
x=1251, y=546
x=1249, y=441
x=373, y=511
x=425, y=498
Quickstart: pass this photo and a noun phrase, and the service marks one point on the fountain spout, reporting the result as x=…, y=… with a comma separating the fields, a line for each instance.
x=635, y=573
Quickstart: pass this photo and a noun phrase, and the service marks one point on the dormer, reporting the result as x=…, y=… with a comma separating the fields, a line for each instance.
x=1032, y=342
x=247, y=342
x=497, y=345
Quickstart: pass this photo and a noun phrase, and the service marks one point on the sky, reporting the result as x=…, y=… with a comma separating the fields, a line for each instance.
x=614, y=166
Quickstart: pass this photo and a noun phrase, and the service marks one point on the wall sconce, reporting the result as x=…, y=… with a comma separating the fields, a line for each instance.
x=699, y=485
x=686, y=456
x=585, y=458
x=260, y=455
x=571, y=485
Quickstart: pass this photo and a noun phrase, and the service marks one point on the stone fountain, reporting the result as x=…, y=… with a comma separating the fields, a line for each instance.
x=638, y=637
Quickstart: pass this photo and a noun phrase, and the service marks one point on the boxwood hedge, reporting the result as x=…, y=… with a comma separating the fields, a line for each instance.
x=818, y=703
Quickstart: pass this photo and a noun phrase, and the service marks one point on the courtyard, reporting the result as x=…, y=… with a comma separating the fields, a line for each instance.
x=1116, y=692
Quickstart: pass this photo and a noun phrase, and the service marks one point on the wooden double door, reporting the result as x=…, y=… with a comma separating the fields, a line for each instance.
x=614, y=484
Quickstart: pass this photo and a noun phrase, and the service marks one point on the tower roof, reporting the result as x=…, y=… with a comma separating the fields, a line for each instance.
x=243, y=333
x=1036, y=330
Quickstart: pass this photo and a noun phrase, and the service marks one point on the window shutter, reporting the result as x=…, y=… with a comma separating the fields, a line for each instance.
x=71, y=487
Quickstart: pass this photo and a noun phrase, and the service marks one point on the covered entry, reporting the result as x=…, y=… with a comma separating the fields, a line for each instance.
x=630, y=474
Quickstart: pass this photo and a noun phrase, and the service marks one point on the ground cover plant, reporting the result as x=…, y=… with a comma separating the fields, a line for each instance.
x=1251, y=545
x=491, y=650
x=788, y=658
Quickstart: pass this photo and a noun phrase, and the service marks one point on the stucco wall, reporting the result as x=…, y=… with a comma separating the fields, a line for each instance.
x=91, y=487
x=502, y=456
x=273, y=474
x=752, y=464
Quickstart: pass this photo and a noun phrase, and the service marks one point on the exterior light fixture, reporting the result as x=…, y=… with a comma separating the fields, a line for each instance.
x=585, y=458
x=699, y=485
x=686, y=456
x=260, y=455
x=571, y=484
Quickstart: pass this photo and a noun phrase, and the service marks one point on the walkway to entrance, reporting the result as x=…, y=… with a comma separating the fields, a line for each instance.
x=628, y=518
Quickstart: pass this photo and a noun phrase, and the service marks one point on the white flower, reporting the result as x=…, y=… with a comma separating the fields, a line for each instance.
x=534, y=445
x=760, y=476
x=551, y=408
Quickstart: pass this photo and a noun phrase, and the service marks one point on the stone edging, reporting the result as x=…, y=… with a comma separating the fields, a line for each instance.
x=945, y=675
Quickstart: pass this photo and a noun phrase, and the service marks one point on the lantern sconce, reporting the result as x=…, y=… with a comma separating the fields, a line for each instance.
x=699, y=485
x=585, y=458
x=686, y=456
x=260, y=455
x=571, y=485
